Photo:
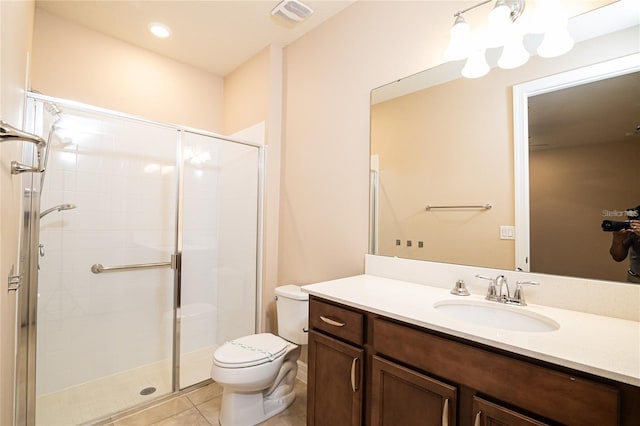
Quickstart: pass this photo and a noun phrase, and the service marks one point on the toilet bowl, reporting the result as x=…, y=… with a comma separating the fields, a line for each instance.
x=258, y=372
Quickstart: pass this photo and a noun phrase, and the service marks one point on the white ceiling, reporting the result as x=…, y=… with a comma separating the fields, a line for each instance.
x=213, y=35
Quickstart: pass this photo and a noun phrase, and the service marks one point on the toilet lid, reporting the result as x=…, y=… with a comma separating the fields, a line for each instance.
x=250, y=350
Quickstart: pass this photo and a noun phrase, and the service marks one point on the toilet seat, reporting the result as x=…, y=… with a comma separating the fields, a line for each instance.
x=250, y=350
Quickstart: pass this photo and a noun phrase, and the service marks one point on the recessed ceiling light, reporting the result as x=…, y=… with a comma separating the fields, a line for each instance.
x=159, y=30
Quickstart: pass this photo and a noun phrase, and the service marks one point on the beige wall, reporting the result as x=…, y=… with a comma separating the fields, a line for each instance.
x=72, y=62
x=16, y=24
x=246, y=92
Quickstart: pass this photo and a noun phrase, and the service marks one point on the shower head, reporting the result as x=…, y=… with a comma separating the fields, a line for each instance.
x=52, y=109
x=59, y=208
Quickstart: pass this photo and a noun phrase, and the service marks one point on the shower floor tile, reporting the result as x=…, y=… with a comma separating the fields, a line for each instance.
x=100, y=398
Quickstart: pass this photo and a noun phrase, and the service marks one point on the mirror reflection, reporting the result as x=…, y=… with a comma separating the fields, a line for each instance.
x=584, y=170
x=448, y=141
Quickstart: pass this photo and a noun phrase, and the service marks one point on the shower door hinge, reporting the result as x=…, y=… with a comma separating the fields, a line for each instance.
x=14, y=281
x=176, y=261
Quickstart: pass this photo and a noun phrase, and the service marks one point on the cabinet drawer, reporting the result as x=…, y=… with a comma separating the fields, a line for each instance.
x=487, y=413
x=337, y=321
x=552, y=394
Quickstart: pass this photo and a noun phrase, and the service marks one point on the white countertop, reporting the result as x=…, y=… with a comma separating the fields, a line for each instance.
x=600, y=345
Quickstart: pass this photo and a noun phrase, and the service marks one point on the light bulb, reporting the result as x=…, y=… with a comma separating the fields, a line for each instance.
x=476, y=65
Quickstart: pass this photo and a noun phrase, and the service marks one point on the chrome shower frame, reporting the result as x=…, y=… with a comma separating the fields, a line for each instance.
x=27, y=294
x=25, y=405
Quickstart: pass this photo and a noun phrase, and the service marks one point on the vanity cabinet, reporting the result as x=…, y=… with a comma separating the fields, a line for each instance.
x=368, y=369
x=336, y=359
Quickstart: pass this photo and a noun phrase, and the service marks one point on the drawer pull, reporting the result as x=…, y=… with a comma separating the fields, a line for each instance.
x=445, y=413
x=354, y=383
x=477, y=422
x=332, y=322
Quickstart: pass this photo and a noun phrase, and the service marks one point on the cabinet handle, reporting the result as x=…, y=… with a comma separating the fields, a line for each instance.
x=445, y=413
x=332, y=322
x=477, y=422
x=354, y=384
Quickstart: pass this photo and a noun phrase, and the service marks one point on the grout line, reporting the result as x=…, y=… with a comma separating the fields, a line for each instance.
x=205, y=417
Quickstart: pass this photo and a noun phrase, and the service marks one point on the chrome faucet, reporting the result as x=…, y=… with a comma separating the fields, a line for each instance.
x=10, y=133
x=495, y=294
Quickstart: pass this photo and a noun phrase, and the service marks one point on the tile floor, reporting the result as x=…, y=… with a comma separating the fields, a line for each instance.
x=201, y=408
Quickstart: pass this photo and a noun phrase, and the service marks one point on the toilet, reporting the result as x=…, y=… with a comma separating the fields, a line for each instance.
x=258, y=372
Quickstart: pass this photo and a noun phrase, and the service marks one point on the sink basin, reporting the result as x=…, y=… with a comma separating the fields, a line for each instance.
x=496, y=315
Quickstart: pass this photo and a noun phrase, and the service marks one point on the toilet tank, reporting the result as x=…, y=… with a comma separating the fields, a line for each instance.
x=292, y=310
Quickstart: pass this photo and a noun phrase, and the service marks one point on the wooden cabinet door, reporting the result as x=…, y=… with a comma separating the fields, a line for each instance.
x=334, y=392
x=489, y=414
x=401, y=396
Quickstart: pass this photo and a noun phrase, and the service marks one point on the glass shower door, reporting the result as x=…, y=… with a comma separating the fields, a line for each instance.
x=105, y=336
x=220, y=211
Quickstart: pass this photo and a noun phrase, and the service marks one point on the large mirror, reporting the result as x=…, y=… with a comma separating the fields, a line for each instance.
x=442, y=167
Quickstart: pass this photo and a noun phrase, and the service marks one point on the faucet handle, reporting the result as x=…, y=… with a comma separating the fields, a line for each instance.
x=518, y=294
x=492, y=292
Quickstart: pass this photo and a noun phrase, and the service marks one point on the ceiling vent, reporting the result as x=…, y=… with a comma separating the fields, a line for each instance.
x=292, y=11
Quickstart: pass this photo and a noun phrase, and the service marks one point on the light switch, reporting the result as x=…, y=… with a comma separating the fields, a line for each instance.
x=507, y=232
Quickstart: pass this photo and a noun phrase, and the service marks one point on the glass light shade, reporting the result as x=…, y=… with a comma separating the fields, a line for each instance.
x=539, y=20
x=499, y=23
x=476, y=65
x=513, y=54
x=548, y=14
x=459, y=44
x=556, y=42
x=499, y=13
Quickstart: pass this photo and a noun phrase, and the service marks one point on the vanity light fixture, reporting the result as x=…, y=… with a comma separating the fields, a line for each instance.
x=159, y=30
x=505, y=31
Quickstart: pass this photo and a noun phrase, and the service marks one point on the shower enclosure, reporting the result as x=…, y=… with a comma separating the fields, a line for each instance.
x=143, y=246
